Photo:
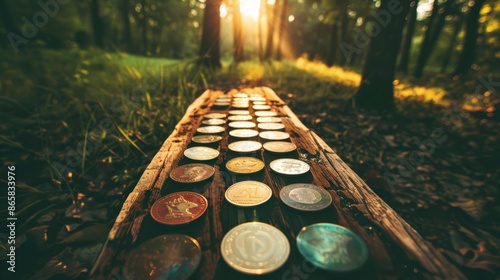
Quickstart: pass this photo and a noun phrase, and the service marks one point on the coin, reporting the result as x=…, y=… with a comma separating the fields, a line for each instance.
x=179, y=208
x=221, y=104
x=271, y=126
x=214, y=122
x=206, y=139
x=241, y=94
x=210, y=129
x=259, y=103
x=192, y=173
x=306, y=197
x=201, y=153
x=245, y=146
x=261, y=107
x=239, y=112
x=255, y=248
x=289, y=166
x=243, y=124
x=248, y=193
x=244, y=133
x=266, y=114
x=332, y=247
x=257, y=98
x=279, y=147
x=240, y=105
x=170, y=256
x=274, y=135
x=268, y=119
x=245, y=165
x=239, y=118
x=215, y=116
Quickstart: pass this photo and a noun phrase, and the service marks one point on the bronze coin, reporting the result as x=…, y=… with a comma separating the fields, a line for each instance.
x=179, y=208
x=192, y=173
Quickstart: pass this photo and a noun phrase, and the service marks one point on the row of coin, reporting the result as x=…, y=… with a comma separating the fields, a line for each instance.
x=253, y=248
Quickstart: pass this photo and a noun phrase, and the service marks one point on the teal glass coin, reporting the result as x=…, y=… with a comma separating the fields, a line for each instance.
x=332, y=247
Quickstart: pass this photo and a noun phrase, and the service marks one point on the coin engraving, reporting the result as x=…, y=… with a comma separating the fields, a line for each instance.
x=179, y=208
x=191, y=173
x=248, y=193
x=288, y=166
x=245, y=165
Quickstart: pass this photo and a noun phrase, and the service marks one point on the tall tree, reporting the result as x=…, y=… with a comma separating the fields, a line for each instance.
x=376, y=90
x=471, y=34
x=262, y=12
x=410, y=30
x=97, y=23
x=452, y=42
x=210, y=37
x=144, y=27
x=238, y=54
x=127, y=33
x=344, y=24
x=334, y=42
x=271, y=23
x=281, y=30
x=431, y=35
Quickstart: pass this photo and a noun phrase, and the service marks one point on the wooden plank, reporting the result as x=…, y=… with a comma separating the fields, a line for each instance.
x=396, y=249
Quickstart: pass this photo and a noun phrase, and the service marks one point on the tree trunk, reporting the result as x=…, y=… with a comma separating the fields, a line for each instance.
x=238, y=54
x=344, y=23
x=144, y=27
x=97, y=24
x=471, y=34
x=332, y=50
x=410, y=30
x=210, y=38
x=262, y=11
x=271, y=23
x=451, y=45
x=281, y=30
x=431, y=36
x=127, y=33
x=376, y=90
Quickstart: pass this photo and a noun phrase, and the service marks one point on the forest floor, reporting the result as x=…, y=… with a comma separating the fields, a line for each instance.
x=435, y=161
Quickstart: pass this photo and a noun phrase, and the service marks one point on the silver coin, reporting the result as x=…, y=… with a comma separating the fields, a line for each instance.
x=240, y=118
x=255, y=248
x=289, y=166
x=243, y=133
x=274, y=135
x=206, y=139
x=239, y=112
x=266, y=114
x=332, y=247
x=257, y=98
x=248, y=193
x=221, y=104
x=245, y=146
x=214, y=122
x=201, y=153
x=259, y=103
x=210, y=129
x=241, y=94
x=279, y=147
x=215, y=116
x=268, y=120
x=243, y=124
x=239, y=105
x=271, y=126
x=261, y=107
x=305, y=197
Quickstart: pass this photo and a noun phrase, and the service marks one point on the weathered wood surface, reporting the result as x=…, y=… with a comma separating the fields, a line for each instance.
x=397, y=251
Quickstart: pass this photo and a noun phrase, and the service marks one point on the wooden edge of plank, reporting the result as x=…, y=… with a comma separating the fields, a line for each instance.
x=380, y=213
x=149, y=177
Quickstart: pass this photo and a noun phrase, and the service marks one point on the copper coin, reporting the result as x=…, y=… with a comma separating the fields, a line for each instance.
x=271, y=126
x=240, y=118
x=179, y=208
x=192, y=173
x=215, y=116
x=266, y=114
x=170, y=256
x=214, y=122
x=244, y=133
x=279, y=147
x=206, y=139
x=245, y=165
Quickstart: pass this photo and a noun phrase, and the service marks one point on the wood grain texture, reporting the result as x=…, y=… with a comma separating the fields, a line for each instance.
x=397, y=251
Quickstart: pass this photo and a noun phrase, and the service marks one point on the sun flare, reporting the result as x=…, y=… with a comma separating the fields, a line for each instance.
x=250, y=8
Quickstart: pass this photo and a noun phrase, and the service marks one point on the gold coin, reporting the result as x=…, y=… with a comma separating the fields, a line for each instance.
x=257, y=98
x=243, y=124
x=241, y=94
x=244, y=133
x=261, y=107
x=215, y=116
x=245, y=165
x=279, y=147
x=248, y=193
x=240, y=105
x=245, y=146
x=201, y=153
x=259, y=103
